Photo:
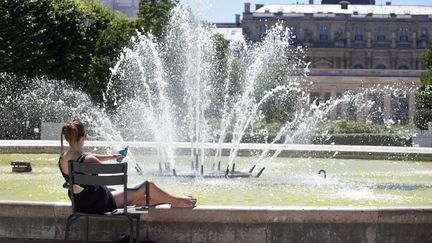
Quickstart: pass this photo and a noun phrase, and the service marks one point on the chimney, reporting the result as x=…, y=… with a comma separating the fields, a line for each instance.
x=311, y=1
x=344, y=4
x=247, y=7
x=388, y=3
x=258, y=6
x=237, y=19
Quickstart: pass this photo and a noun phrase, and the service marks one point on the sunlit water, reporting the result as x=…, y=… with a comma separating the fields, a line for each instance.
x=286, y=181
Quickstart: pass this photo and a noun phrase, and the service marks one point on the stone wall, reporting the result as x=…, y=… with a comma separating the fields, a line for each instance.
x=288, y=150
x=44, y=221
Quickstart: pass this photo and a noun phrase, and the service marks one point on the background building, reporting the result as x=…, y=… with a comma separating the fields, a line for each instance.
x=128, y=7
x=354, y=45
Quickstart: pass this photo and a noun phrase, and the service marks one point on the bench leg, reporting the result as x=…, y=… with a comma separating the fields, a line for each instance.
x=137, y=228
x=87, y=228
x=130, y=228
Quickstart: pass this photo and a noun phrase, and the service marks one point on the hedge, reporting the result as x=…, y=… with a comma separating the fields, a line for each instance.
x=365, y=139
x=422, y=117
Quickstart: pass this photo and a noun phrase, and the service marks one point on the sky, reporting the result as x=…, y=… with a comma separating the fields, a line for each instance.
x=224, y=10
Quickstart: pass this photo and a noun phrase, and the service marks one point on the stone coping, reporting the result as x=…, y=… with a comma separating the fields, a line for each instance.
x=240, y=214
x=186, y=145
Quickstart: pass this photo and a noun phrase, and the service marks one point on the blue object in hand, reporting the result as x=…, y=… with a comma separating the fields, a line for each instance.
x=122, y=151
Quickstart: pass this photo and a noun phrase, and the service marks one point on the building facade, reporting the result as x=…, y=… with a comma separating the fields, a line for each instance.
x=128, y=7
x=354, y=46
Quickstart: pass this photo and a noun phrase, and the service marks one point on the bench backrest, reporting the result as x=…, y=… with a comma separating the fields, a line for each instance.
x=97, y=175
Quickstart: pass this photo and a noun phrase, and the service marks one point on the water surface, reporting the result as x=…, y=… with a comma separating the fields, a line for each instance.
x=285, y=181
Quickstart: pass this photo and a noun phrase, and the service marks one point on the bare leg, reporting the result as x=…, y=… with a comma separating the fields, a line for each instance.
x=157, y=196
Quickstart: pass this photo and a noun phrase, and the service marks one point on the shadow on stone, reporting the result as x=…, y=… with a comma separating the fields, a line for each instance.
x=126, y=238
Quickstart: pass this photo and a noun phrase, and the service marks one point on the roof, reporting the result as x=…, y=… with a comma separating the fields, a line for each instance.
x=336, y=9
x=229, y=33
x=351, y=1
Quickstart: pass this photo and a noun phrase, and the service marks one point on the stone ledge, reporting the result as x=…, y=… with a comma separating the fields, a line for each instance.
x=288, y=150
x=46, y=221
x=240, y=214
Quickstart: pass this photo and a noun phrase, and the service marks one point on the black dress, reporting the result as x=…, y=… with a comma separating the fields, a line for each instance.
x=93, y=199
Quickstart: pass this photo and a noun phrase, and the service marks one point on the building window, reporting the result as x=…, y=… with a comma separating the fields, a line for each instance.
x=339, y=106
x=400, y=108
x=262, y=31
x=308, y=35
x=327, y=96
x=358, y=33
x=358, y=66
x=403, y=67
x=314, y=98
x=381, y=34
x=323, y=33
x=294, y=30
x=381, y=66
x=376, y=111
x=424, y=34
x=403, y=34
x=352, y=110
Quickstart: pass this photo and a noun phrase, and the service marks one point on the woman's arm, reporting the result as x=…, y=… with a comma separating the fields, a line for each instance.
x=103, y=157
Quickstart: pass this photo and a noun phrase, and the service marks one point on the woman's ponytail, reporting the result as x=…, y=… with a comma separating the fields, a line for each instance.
x=72, y=131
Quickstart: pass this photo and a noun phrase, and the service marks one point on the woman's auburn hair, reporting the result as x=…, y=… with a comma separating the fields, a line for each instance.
x=72, y=131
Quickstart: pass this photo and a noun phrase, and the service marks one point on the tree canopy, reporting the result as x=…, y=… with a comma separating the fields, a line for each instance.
x=153, y=15
x=424, y=94
x=50, y=38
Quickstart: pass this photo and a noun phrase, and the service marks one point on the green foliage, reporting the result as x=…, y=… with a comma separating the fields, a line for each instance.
x=354, y=127
x=42, y=38
x=422, y=117
x=349, y=132
x=11, y=90
x=349, y=126
x=226, y=78
x=111, y=39
x=424, y=98
x=426, y=79
x=271, y=127
x=424, y=94
x=154, y=14
x=427, y=58
x=280, y=105
x=221, y=47
x=49, y=38
x=365, y=139
x=218, y=76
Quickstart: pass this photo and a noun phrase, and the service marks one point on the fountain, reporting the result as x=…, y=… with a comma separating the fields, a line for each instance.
x=183, y=89
x=200, y=107
x=184, y=100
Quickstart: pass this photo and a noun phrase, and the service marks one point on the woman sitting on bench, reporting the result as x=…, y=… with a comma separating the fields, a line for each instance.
x=100, y=199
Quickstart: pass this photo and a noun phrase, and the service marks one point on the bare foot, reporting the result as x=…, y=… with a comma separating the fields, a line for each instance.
x=184, y=202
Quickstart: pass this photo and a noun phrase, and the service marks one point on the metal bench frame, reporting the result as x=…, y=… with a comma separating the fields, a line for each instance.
x=113, y=174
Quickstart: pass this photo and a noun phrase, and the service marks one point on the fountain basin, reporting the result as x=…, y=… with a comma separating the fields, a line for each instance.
x=289, y=150
x=285, y=182
x=45, y=222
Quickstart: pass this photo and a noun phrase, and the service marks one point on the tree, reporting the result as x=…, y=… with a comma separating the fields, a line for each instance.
x=110, y=34
x=49, y=38
x=154, y=14
x=282, y=103
x=424, y=94
x=218, y=75
x=42, y=38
